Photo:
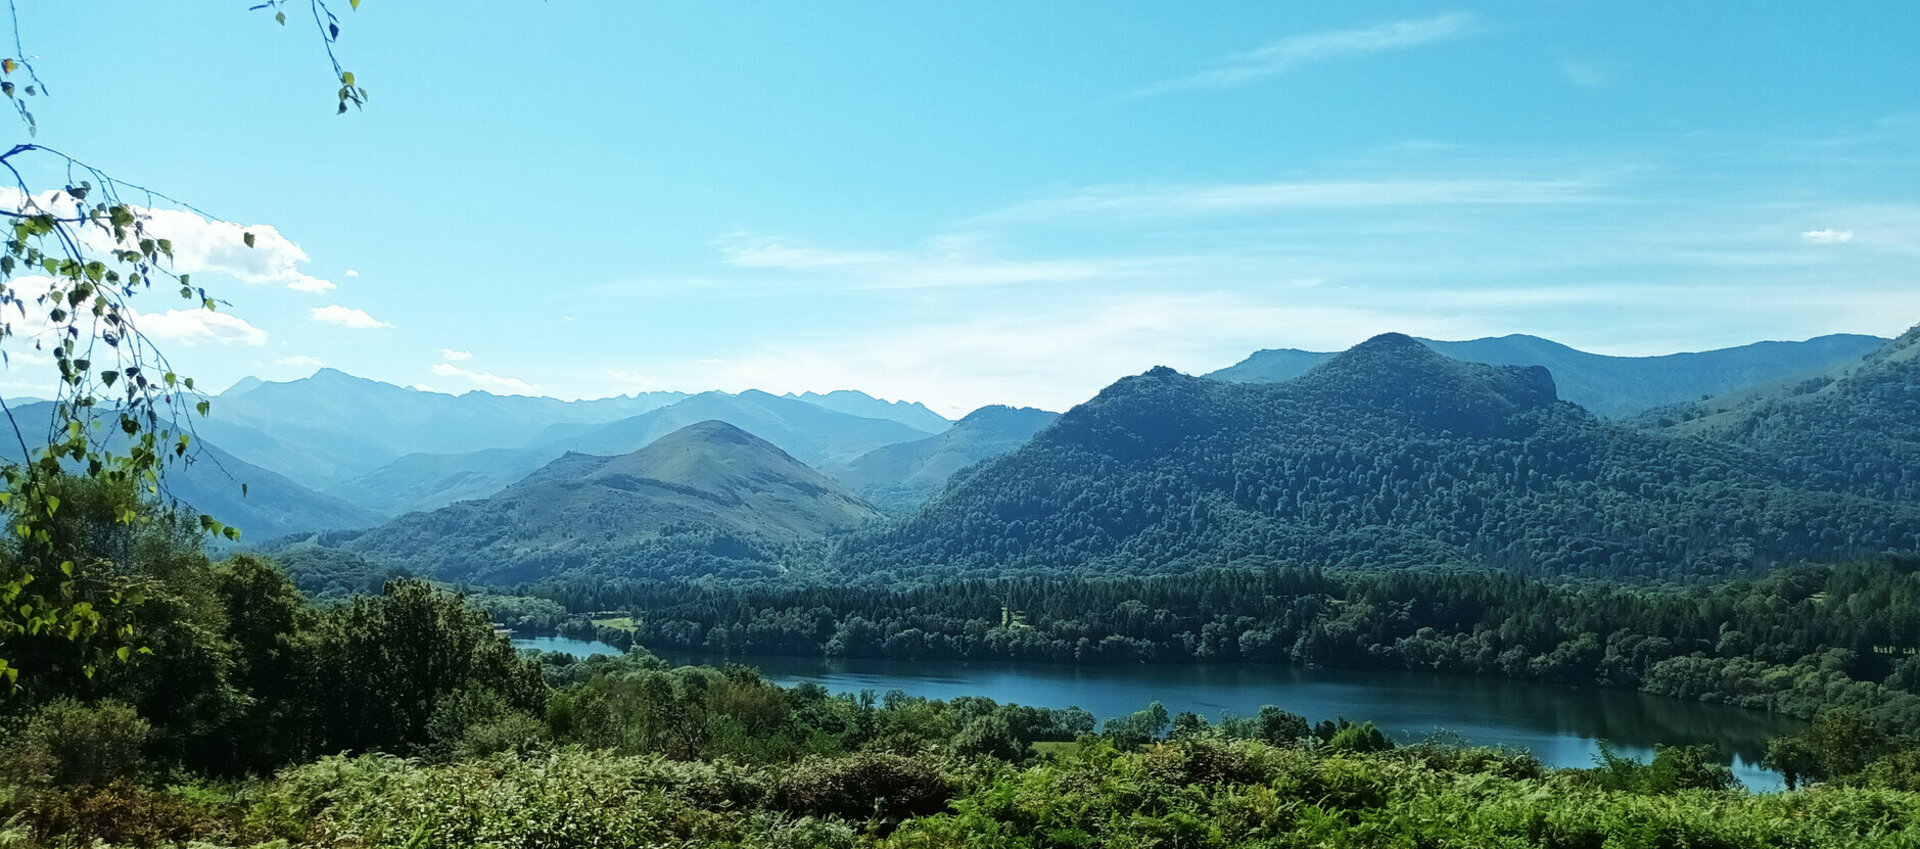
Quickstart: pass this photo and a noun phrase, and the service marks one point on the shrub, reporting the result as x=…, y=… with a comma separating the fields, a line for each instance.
x=68, y=743
x=117, y=813
x=864, y=785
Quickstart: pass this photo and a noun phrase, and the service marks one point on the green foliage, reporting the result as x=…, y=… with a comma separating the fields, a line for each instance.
x=383, y=667
x=73, y=260
x=1363, y=738
x=1674, y=768
x=68, y=743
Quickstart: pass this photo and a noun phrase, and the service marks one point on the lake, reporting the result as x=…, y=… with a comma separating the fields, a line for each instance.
x=568, y=645
x=1561, y=725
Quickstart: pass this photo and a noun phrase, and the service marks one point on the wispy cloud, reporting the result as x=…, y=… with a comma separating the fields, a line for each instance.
x=1241, y=198
x=454, y=356
x=487, y=380
x=945, y=262
x=1286, y=54
x=1827, y=236
x=346, y=317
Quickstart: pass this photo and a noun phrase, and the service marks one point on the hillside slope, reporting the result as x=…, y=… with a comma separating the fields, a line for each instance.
x=1854, y=429
x=708, y=498
x=904, y=475
x=210, y=482
x=1389, y=454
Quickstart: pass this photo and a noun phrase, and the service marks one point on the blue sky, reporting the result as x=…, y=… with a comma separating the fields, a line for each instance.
x=972, y=203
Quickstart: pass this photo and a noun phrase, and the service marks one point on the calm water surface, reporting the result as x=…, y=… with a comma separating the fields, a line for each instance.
x=1561, y=725
x=568, y=645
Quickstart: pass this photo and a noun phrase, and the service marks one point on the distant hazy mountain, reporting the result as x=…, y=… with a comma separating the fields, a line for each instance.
x=429, y=481
x=1609, y=386
x=272, y=506
x=706, y=498
x=325, y=429
x=904, y=475
x=813, y=434
x=912, y=414
x=1387, y=455
x=425, y=481
x=1855, y=428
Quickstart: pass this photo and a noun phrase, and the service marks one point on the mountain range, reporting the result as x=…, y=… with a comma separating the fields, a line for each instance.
x=210, y=482
x=1824, y=418
x=1609, y=386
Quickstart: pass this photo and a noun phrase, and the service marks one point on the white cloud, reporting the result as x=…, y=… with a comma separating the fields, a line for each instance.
x=1827, y=236
x=711, y=361
x=303, y=283
x=203, y=246
x=346, y=317
x=453, y=356
x=487, y=380
x=195, y=326
x=352, y=273
x=1286, y=54
x=301, y=360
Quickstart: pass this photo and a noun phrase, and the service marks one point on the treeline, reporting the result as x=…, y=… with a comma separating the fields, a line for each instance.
x=1794, y=641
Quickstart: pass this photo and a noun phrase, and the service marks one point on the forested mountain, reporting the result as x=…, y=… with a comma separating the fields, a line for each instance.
x=811, y=433
x=913, y=414
x=706, y=498
x=1609, y=386
x=906, y=474
x=210, y=482
x=1387, y=454
x=332, y=426
x=1855, y=429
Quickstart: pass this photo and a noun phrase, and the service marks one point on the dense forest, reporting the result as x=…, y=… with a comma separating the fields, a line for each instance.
x=1794, y=641
x=251, y=714
x=1388, y=455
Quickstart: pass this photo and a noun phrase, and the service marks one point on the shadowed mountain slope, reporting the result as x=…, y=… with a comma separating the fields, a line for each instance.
x=906, y=474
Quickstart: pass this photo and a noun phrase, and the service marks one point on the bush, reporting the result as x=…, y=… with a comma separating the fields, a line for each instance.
x=117, y=813
x=990, y=736
x=68, y=743
x=864, y=785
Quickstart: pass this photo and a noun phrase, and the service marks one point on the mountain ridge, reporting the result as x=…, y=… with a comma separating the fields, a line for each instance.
x=1608, y=385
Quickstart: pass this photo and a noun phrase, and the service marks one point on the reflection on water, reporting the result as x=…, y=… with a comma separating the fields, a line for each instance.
x=1560, y=725
x=567, y=645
